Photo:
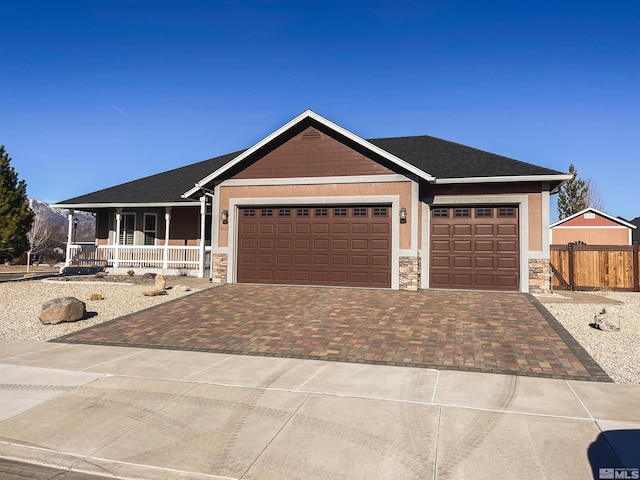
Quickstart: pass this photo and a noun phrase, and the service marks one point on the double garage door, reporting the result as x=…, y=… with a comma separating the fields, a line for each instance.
x=475, y=248
x=327, y=245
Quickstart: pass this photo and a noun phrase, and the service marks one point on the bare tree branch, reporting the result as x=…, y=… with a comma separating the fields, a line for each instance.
x=594, y=197
x=39, y=237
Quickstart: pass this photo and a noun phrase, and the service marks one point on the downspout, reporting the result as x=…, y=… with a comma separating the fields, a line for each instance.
x=203, y=215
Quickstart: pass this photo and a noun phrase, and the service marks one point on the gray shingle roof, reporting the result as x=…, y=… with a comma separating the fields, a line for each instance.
x=444, y=159
x=437, y=157
x=163, y=187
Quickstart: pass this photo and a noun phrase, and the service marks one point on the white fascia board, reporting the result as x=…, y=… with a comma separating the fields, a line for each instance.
x=79, y=206
x=505, y=179
x=327, y=123
x=591, y=209
x=593, y=227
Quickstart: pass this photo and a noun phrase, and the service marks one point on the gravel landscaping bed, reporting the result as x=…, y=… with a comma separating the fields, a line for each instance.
x=617, y=352
x=21, y=303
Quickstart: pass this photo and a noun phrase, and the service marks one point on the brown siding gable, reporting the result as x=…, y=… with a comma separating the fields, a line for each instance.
x=312, y=153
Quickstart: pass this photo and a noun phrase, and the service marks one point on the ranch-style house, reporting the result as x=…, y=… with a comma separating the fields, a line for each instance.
x=315, y=204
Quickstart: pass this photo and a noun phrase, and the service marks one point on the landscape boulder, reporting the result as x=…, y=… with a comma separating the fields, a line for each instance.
x=161, y=283
x=608, y=319
x=154, y=293
x=63, y=309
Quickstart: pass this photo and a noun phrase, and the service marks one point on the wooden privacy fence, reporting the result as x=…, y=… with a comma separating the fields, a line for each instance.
x=595, y=267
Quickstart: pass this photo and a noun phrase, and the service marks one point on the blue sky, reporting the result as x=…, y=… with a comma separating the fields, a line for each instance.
x=98, y=92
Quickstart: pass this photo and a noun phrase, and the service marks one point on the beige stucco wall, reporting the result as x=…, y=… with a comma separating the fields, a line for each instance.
x=328, y=191
x=535, y=222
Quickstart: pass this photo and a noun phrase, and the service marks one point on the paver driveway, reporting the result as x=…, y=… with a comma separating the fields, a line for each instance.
x=476, y=331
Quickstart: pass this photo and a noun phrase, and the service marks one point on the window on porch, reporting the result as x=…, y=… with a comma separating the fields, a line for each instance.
x=150, y=228
x=127, y=229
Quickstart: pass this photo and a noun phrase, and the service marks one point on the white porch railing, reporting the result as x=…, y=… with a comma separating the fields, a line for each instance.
x=138, y=256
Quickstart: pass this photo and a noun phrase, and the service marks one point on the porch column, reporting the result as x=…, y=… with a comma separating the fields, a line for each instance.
x=116, y=255
x=203, y=217
x=71, y=217
x=167, y=223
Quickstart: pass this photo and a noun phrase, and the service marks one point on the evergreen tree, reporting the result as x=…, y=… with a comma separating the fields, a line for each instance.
x=16, y=216
x=573, y=195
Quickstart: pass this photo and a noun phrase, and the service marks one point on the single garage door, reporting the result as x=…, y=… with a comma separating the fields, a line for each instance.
x=475, y=248
x=328, y=245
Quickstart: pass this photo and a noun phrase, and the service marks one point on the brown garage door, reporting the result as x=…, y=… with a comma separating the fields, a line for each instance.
x=328, y=245
x=474, y=248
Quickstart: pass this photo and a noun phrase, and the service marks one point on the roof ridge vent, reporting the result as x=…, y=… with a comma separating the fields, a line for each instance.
x=311, y=135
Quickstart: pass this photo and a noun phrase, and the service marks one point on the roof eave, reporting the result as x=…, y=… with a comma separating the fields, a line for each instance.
x=327, y=123
x=504, y=179
x=79, y=206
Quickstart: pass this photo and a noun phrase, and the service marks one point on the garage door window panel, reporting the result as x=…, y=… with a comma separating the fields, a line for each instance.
x=339, y=212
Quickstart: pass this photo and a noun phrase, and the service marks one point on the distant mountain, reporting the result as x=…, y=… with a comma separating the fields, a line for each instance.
x=58, y=222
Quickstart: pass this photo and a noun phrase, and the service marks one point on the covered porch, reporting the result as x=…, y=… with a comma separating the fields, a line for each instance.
x=166, y=239
x=168, y=259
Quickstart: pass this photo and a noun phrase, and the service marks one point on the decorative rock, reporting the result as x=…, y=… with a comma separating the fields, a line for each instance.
x=608, y=319
x=181, y=288
x=149, y=275
x=154, y=293
x=161, y=283
x=63, y=309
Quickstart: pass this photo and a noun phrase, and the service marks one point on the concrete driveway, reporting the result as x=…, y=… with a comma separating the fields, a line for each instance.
x=507, y=333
